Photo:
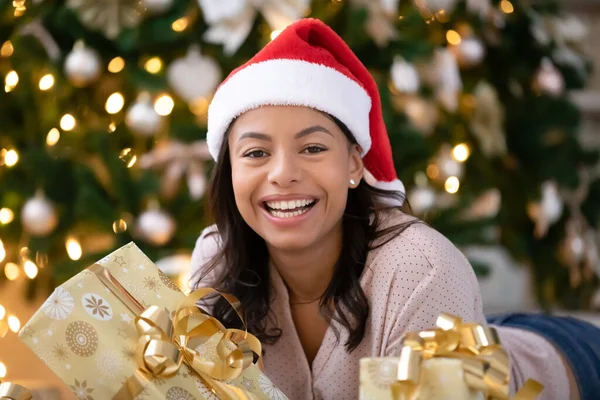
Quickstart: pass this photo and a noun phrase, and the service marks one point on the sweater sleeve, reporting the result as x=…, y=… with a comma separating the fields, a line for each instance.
x=448, y=284
x=533, y=357
x=207, y=246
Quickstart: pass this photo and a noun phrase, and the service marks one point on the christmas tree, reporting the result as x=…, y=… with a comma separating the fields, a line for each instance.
x=103, y=116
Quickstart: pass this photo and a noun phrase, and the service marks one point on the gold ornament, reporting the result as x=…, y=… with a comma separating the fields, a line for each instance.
x=109, y=17
x=178, y=159
x=487, y=123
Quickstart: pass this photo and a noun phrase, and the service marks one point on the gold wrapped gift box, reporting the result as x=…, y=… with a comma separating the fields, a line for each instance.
x=455, y=361
x=122, y=329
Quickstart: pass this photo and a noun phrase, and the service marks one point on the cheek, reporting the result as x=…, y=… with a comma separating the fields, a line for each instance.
x=243, y=185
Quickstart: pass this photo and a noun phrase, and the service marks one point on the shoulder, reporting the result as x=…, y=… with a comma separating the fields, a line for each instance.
x=418, y=250
x=206, y=248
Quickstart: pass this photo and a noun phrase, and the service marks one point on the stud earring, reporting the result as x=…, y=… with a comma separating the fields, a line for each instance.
x=352, y=182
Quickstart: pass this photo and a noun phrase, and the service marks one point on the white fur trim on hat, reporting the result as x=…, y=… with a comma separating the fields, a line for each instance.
x=289, y=82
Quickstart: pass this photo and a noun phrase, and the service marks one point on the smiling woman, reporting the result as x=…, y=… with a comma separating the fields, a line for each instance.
x=310, y=231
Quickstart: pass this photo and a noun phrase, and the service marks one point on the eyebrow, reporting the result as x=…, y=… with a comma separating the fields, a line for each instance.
x=302, y=133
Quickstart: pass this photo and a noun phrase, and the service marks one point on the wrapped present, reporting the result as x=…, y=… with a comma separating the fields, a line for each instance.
x=455, y=361
x=121, y=329
x=11, y=391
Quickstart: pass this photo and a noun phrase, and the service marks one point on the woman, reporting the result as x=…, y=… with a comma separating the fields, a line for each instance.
x=310, y=235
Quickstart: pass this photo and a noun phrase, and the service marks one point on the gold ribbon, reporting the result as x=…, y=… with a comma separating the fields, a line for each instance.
x=167, y=340
x=485, y=363
x=12, y=391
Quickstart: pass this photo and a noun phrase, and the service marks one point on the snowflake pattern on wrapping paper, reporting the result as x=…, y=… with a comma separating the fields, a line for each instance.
x=47, y=357
x=151, y=283
x=27, y=332
x=269, y=389
x=97, y=307
x=60, y=352
x=59, y=305
x=177, y=393
x=81, y=390
x=128, y=352
x=109, y=363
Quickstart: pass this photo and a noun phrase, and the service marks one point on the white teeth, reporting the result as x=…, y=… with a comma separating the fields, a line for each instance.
x=289, y=205
x=287, y=214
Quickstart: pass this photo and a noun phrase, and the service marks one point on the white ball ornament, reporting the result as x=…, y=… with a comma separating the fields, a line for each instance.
x=141, y=117
x=82, y=65
x=38, y=216
x=549, y=79
x=194, y=76
x=157, y=6
x=156, y=226
x=421, y=198
x=471, y=51
x=405, y=76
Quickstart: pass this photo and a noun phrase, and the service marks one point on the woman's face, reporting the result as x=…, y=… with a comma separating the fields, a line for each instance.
x=291, y=170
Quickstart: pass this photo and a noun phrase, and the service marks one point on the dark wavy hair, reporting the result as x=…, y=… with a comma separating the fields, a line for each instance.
x=244, y=255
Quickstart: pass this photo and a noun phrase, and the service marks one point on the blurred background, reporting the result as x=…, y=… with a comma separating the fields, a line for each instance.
x=492, y=108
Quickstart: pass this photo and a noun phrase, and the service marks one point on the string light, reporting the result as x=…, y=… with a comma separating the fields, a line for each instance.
x=31, y=270
x=12, y=271
x=119, y=226
x=153, y=65
x=2, y=253
x=2, y=311
x=6, y=217
x=73, y=249
x=2, y=370
x=53, y=137
x=461, y=152
x=112, y=127
x=114, y=103
x=433, y=171
x=199, y=106
x=46, y=82
x=275, y=33
x=11, y=158
x=180, y=24
x=67, y=122
x=11, y=81
x=13, y=323
x=128, y=157
x=7, y=49
x=164, y=105
x=452, y=184
x=116, y=65
x=453, y=37
x=506, y=7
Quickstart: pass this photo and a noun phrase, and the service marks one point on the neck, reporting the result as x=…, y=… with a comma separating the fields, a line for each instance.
x=308, y=272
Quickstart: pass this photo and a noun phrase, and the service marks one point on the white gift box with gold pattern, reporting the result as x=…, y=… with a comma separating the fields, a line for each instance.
x=87, y=335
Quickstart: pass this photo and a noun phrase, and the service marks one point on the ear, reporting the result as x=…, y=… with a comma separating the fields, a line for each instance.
x=355, y=165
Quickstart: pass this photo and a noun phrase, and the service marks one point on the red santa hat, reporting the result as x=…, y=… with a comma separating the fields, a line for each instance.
x=308, y=64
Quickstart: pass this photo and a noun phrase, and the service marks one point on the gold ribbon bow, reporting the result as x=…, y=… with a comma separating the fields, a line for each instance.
x=485, y=363
x=165, y=343
x=12, y=391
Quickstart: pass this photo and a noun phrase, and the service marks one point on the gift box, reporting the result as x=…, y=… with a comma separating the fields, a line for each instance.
x=455, y=361
x=121, y=329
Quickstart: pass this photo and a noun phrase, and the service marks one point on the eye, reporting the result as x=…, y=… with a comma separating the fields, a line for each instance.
x=314, y=149
x=255, y=154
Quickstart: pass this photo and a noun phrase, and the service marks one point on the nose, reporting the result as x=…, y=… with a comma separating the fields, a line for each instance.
x=284, y=170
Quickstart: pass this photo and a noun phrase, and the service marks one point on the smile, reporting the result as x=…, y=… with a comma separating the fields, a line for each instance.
x=289, y=209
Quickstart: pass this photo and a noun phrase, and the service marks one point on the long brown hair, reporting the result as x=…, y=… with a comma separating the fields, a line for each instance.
x=244, y=257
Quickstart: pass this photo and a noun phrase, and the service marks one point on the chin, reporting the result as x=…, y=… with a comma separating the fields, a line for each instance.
x=294, y=241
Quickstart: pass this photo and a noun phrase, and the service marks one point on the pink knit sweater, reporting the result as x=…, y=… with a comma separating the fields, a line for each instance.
x=409, y=281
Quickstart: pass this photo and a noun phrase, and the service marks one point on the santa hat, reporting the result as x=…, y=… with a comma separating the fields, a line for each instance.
x=308, y=64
